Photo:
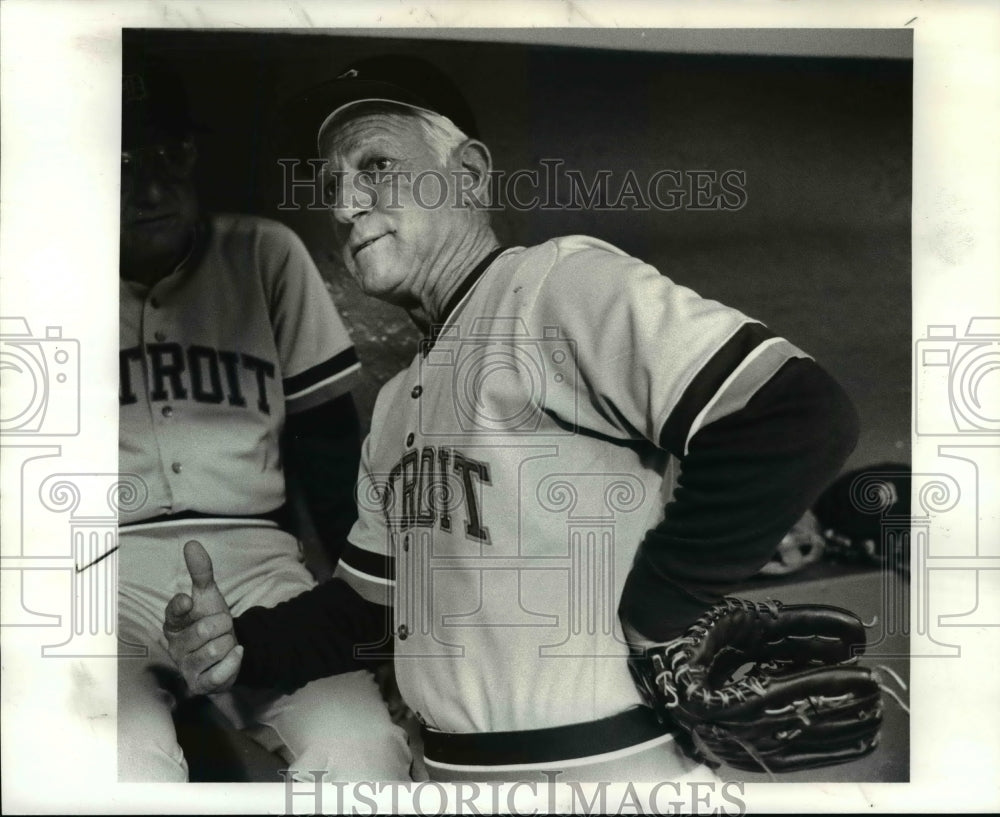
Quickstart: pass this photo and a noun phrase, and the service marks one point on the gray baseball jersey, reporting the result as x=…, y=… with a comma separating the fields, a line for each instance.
x=513, y=469
x=211, y=359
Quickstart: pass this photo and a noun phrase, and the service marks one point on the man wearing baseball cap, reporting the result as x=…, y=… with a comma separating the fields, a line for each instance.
x=509, y=490
x=235, y=370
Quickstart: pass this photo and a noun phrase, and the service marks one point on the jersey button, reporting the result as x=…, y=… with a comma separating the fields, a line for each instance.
x=176, y=468
x=409, y=439
x=159, y=336
x=417, y=391
x=167, y=411
x=154, y=302
x=402, y=632
x=406, y=542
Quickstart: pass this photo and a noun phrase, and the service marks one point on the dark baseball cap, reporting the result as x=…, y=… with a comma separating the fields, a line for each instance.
x=406, y=80
x=154, y=105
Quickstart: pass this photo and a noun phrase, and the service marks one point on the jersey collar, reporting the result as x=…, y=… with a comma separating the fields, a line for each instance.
x=196, y=249
x=458, y=295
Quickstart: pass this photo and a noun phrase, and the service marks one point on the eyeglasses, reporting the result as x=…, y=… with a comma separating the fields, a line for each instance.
x=171, y=161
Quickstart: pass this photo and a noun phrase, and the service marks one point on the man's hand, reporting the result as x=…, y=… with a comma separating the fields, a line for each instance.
x=199, y=629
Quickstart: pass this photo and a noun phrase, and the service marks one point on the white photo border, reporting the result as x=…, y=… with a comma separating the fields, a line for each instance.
x=58, y=249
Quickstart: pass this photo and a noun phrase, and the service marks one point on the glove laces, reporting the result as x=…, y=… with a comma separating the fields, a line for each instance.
x=889, y=690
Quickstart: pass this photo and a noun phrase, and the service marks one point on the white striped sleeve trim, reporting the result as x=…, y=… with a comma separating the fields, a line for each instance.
x=756, y=369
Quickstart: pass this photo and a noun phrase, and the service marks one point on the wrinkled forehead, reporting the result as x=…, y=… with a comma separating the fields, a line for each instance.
x=360, y=124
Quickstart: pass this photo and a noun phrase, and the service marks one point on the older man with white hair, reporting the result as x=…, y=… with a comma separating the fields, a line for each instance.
x=510, y=512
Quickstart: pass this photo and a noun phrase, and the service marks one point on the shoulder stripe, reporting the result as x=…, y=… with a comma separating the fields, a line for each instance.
x=324, y=383
x=745, y=381
x=365, y=576
x=325, y=392
x=329, y=370
x=706, y=384
x=372, y=566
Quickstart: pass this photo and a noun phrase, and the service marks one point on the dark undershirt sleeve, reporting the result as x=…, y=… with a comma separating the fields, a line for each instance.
x=327, y=630
x=322, y=449
x=746, y=479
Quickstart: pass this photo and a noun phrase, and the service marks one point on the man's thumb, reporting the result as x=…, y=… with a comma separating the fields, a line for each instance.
x=199, y=566
x=178, y=613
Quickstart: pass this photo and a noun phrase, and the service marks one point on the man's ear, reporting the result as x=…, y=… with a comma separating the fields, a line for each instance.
x=477, y=163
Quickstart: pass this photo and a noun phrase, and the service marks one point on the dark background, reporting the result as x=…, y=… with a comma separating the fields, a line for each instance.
x=820, y=252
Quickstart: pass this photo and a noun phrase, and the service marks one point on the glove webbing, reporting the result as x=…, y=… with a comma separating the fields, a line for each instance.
x=669, y=678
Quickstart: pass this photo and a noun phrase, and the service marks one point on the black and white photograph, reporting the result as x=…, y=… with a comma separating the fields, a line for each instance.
x=509, y=419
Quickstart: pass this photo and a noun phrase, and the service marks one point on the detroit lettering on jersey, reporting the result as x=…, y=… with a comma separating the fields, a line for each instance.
x=213, y=359
x=427, y=487
x=195, y=372
x=498, y=546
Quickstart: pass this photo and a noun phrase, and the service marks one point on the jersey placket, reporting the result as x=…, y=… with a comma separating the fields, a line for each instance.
x=156, y=342
x=405, y=542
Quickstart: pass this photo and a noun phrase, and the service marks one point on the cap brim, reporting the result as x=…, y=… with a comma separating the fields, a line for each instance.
x=317, y=106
